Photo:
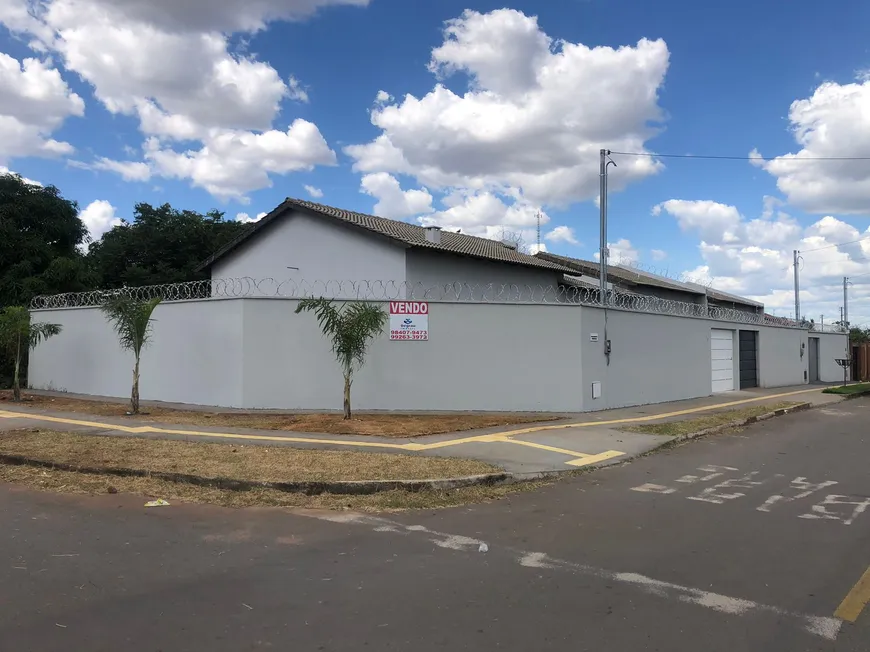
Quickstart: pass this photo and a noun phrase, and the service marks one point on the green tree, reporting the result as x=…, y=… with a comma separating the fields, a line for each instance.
x=40, y=236
x=18, y=334
x=162, y=245
x=859, y=335
x=351, y=328
x=132, y=322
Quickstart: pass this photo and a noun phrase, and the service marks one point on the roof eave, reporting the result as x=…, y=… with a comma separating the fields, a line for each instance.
x=258, y=226
x=558, y=269
x=281, y=209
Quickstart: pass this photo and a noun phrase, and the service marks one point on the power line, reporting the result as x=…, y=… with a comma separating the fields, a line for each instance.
x=842, y=244
x=745, y=158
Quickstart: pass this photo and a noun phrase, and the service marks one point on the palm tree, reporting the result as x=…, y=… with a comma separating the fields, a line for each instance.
x=351, y=328
x=131, y=320
x=18, y=332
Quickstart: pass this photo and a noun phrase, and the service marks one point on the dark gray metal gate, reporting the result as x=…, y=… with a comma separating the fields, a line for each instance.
x=814, y=359
x=748, y=359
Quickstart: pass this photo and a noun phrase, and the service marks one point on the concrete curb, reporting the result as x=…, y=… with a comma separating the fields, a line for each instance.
x=367, y=487
x=349, y=487
x=740, y=422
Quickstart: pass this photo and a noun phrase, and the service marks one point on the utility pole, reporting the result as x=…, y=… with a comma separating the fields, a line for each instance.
x=846, y=303
x=538, y=216
x=602, y=204
x=797, y=288
x=823, y=323
x=841, y=318
x=602, y=208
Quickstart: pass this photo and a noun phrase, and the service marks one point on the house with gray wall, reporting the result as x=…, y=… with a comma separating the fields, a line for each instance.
x=629, y=280
x=550, y=344
x=312, y=242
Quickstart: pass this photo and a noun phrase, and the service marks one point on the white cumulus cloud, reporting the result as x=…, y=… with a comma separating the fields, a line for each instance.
x=34, y=101
x=753, y=257
x=233, y=163
x=486, y=215
x=245, y=218
x=171, y=66
x=833, y=122
x=562, y=234
x=393, y=202
x=314, y=192
x=99, y=216
x=621, y=252
x=128, y=170
x=719, y=223
x=32, y=182
x=523, y=131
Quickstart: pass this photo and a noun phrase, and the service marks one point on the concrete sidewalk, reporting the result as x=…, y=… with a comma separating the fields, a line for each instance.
x=582, y=440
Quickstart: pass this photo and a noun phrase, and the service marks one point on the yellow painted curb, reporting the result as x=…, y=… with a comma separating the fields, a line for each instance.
x=854, y=603
x=578, y=458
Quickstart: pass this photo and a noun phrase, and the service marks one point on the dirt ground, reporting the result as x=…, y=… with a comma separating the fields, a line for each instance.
x=239, y=462
x=233, y=461
x=382, y=425
x=150, y=488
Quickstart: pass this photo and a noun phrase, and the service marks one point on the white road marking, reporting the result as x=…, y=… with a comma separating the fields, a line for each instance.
x=713, y=472
x=714, y=494
x=654, y=489
x=821, y=511
x=799, y=484
x=823, y=627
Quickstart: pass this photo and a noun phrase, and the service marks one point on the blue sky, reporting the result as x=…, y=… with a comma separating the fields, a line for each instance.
x=236, y=108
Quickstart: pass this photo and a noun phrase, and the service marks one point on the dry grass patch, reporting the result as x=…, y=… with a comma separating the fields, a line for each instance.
x=211, y=460
x=383, y=425
x=148, y=488
x=688, y=426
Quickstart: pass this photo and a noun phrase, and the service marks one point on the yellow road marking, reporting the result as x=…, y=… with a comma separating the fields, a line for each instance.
x=654, y=417
x=580, y=459
x=594, y=459
x=484, y=439
x=854, y=603
x=198, y=433
x=544, y=447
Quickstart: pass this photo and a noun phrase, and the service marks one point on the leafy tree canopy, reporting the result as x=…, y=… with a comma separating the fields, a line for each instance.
x=40, y=232
x=859, y=335
x=163, y=245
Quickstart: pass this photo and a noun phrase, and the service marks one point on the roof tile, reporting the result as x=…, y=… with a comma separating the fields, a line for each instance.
x=408, y=234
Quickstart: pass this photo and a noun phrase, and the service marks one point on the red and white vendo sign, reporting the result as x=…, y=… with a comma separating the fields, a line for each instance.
x=409, y=320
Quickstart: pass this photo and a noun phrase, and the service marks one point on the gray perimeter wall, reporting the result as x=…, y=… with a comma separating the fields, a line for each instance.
x=479, y=357
x=257, y=353
x=657, y=358
x=195, y=355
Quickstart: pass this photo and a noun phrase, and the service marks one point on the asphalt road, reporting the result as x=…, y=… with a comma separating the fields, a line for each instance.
x=684, y=550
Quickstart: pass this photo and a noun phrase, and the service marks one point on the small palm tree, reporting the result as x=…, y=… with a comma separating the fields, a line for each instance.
x=131, y=320
x=17, y=332
x=351, y=328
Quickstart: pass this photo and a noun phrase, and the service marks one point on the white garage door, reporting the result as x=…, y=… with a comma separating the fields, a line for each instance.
x=722, y=359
